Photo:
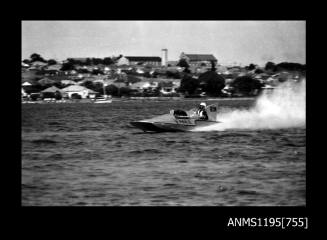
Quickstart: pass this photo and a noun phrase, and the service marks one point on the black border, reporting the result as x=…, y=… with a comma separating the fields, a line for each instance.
x=208, y=218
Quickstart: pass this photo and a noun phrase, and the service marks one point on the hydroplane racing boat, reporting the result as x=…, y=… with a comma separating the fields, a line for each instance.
x=178, y=121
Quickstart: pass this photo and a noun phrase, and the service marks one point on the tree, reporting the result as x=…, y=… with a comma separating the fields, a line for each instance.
x=97, y=71
x=112, y=90
x=37, y=57
x=97, y=61
x=246, y=85
x=270, y=66
x=124, y=91
x=213, y=65
x=108, y=61
x=52, y=62
x=88, y=84
x=35, y=96
x=88, y=62
x=213, y=83
x=187, y=71
x=67, y=66
x=147, y=75
x=173, y=74
x=58, y=95
x=98, y=87
x=82, y=70
x=33, y=89
x=132, y=79
x=189, y=84
x=58, y=84
x=183, y=63
x=289, y=66
x=72, y=61
x=251, y=67
x=258, y=71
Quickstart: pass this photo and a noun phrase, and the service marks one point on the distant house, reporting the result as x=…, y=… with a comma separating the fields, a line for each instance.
x=196, y=60
x=143, y=60
x=122, y=61
x=68, y=82
x=167, y=87
x=45, y=81
x=53, y=69
x=38, y=64
x=51, y=91
x=141, y=85
x=80, y=90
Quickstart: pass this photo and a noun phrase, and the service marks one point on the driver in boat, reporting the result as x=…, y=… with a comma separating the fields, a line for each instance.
x=201, y=112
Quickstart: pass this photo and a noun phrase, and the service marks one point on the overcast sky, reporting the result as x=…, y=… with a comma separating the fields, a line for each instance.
x=230, y=41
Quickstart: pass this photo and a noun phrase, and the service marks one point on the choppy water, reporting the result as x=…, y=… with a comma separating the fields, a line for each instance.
x=88, y=154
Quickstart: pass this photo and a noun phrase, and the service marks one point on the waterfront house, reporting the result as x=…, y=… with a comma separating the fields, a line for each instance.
x=80, y=90
x=52, y=91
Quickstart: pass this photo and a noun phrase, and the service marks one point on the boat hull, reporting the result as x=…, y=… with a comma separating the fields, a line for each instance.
x=178, y=121
x=169, y=126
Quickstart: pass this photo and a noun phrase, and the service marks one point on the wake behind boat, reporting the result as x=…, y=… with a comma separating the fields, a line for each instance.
x=179, y=120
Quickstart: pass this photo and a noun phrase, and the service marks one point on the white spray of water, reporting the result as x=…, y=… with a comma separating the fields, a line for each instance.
x=283, y=108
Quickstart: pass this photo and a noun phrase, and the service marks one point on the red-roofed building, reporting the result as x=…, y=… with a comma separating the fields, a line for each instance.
x=141, y=60
x=195, y=60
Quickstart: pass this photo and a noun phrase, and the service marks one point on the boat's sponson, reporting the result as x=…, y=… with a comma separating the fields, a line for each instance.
x=148, y=126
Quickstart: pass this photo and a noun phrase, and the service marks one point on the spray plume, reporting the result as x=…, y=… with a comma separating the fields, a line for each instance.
x=284, y=107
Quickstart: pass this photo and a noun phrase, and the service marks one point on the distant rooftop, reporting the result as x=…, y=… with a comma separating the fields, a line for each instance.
x=143, y=59
x=201, y=57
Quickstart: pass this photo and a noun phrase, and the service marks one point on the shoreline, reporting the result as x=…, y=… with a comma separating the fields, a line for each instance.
x=141, y=99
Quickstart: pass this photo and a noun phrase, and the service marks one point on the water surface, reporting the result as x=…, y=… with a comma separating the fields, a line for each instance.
x=88, y=154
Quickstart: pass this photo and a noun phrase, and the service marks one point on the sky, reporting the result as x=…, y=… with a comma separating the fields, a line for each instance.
x=240, y=42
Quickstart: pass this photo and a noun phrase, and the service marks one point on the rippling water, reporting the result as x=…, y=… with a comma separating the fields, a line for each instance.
x=88, y=154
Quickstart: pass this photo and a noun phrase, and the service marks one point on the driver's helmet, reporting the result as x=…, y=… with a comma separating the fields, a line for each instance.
x=203, y=104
